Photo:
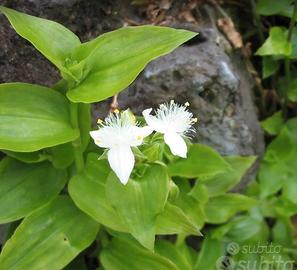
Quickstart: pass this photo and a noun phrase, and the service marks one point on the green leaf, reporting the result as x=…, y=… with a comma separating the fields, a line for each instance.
x=278, y=167
x=276, y=43
x=49, y=238
x=291, y=90
x=27, y=157
x=33, y=117
x=170, y=251
x=271, y=177
x=220, y=208
x=274, y=123
x=140, y=201
x=269, y=66
x=241, y=229
x=173, y=220
x=61, y=156
x=202, y=162
x=126, y=254
x=23, y=188
x=281, y=148
x=223, y=182
x=283, y=232
x=275, y=7
x=192, y=208
x=53, y=40
x=88, y=191
x=290, y=187
x=199, y=192
x=111, y=62
x=211, y=251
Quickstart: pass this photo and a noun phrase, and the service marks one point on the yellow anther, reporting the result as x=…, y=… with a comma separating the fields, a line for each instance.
x=99, y=121
x=194, y=120
x=138, y=137
x=116, y=111
x=172, y=101
x=187, y=104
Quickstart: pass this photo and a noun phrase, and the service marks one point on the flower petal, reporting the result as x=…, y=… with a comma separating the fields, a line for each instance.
x=152, y=121
x=139, y=134
x=98, y=138
x=176, y=144
x=121, y=160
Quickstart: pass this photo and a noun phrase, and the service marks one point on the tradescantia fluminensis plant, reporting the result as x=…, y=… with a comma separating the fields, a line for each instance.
x=67, y=193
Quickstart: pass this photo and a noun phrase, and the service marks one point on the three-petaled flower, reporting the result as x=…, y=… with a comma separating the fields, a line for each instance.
x=174, y=121
x=118, y=133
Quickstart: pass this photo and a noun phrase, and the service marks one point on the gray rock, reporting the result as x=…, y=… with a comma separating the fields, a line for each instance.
x=214, y=83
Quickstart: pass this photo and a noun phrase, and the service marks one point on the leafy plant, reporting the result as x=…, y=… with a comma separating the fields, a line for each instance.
x=140, y=191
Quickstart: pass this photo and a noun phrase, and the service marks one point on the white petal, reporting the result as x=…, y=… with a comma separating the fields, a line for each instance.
x=121, y=160
x=97, y=137
x=139, y=134
x=152, y=121
x=176, y=144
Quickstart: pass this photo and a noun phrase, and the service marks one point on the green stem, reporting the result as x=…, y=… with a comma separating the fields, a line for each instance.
x=289, y=38
x=292, y=22
x=287, y=59
x=78, y=153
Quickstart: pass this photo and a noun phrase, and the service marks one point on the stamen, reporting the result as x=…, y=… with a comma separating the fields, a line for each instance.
x=138, y=137
x=172, y=101
x=187, y=104
x=194, y=120
x=116, y=111
x=99, y=121
x=97, y=141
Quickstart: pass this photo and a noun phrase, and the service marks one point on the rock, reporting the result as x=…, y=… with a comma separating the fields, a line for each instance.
x=214, y=83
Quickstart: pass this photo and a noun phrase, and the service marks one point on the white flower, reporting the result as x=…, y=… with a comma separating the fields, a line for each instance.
x=174, y=121
x=118, y=133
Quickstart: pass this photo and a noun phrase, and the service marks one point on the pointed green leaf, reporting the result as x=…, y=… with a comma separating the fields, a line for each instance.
x=269, y=66
x=53, y=40
x=23, y=188
x=223, y=182
x=170, y=251
x=202, y=162
x=126, y=254
x=49, y=238
x=33, y=117
x=87, y=189
x=27, y=157
x=111, y=62
x=212, y=250
x=274, y=123
x=140, y=201
x=278, y=167
x=174, y=221
x=192, y=208
x=220, y=208
x=276, y=43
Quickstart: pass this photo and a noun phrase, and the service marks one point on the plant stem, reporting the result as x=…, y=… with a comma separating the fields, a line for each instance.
x=78, y=154
x=289, y=38
x=287, y=59
x=292, y=22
